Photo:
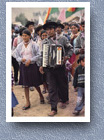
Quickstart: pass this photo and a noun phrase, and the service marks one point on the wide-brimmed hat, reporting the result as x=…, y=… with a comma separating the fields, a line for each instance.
x=60, y=25
x=29, y=23
x=66, y=23
x=49, y=24
x=38, y=28
x=81, y=57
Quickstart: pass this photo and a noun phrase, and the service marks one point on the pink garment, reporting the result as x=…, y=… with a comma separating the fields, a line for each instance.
x=27, y=52
x=72, y=59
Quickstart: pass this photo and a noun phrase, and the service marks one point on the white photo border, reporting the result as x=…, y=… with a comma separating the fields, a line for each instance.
x=9, y=6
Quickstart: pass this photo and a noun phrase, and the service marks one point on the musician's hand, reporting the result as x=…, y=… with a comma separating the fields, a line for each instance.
x=23, y=60
x=41, y=70
x=27, y=63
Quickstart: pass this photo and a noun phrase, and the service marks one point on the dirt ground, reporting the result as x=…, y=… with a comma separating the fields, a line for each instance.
x=38, y=109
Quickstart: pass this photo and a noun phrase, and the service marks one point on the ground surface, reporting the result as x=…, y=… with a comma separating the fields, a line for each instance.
x=38, y=109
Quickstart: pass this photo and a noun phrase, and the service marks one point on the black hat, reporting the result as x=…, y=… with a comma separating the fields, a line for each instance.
x=81, y=57
x=38, y=28
x=60, y=25
x=66, y=23
x=29, y=23
x=49, y=24
x=48, y=20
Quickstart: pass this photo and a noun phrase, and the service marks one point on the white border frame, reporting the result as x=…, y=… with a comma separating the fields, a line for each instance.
x=9, y=6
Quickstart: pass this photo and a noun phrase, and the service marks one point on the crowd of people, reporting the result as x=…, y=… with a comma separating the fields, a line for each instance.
x=27, y=58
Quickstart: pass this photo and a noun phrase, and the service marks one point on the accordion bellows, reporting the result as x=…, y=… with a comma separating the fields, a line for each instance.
x=52, y=55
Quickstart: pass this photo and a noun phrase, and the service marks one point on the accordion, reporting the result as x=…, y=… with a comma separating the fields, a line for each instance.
x=52, y=55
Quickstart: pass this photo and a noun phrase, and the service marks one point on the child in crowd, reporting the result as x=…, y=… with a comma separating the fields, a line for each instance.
x=79, y=83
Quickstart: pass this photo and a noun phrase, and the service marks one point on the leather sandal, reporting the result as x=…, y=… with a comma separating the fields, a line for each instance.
x=52, y=113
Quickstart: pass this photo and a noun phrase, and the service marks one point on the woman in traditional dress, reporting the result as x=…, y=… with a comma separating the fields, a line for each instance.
x=28, y=54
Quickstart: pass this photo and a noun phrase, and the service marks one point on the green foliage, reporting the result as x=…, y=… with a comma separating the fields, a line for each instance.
x=21, y=18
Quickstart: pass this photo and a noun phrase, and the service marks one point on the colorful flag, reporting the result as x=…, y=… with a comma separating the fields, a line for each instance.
x=54, y=10
x=62, y=15
x=40, y=21
x=50, y=11
x=71, y=11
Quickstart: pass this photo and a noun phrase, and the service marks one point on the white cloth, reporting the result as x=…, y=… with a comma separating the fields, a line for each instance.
x=26, y=52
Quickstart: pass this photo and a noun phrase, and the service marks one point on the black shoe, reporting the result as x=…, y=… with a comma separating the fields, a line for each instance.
x=42, y=101
x=25, y=108
x=76, y=112
x=31, y=88
x=16, y=83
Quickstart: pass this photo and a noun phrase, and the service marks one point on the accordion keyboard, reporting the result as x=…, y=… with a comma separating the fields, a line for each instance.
x=45, y=54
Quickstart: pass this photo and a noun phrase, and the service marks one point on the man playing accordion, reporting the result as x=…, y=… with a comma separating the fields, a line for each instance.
x=55, y=72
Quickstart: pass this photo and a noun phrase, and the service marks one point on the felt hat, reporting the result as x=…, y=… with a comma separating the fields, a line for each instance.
x=60, y=25
x=29, y=23
x=66, y=23
x=49, y=24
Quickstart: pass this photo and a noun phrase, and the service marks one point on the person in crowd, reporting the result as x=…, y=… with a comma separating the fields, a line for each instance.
x=68, y=69
x=19, y=38
x=14, y=99
x=75, y=31
x=12, y=34
x=59, y=29
x=80, y=41
x=56, y=77
x=45, y=85
x=30, y=26
x=15, y=64
x=38, y=39
x=66, y=31
x=41, y=36
x=79, y=83
x=44, y=34
x=27, y=53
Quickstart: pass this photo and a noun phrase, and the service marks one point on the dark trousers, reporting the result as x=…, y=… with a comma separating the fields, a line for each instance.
x=57, y=85
x=16, y=68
